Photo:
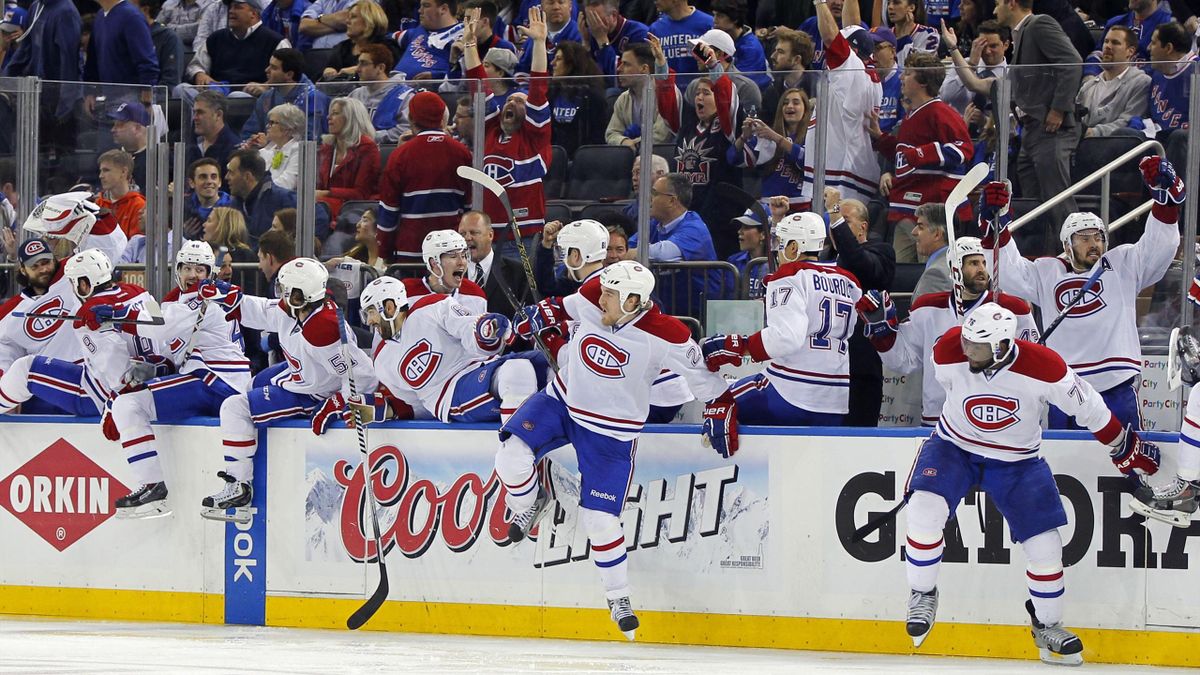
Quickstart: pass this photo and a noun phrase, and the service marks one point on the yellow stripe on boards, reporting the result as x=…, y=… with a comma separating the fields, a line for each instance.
x=838, y=635
x=106, y=603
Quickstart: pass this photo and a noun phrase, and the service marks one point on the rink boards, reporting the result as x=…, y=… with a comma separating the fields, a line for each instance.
x=752, y=551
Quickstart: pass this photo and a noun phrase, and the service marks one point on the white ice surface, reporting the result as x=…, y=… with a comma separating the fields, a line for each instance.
x=31, y=645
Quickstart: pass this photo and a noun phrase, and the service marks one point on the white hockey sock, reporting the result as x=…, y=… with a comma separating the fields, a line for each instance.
x=1044, y=573
x=132, y=414
x=14, y=384
x=608, y=551
x=240, y=439
x=927, y=514
x=515, y=381
x=514, y=466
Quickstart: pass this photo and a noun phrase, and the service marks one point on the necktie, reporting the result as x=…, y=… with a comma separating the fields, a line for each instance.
x=479, y=275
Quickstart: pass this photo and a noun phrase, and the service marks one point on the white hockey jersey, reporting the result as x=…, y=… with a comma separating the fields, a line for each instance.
x=810, y=313
x=469, y=294
x=1099, y=337
x=605, y=373
x=1001, y=416
x=22, y=336
x=106, y=352
x=217, y=346
x=312, y=348
x=929, y=317
x=436, y=347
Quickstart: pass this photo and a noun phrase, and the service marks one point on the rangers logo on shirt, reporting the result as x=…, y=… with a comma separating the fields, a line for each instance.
x=419, y=364
x=1092, y=302
x=42, y=329
x=991, y=413
x=603, y=357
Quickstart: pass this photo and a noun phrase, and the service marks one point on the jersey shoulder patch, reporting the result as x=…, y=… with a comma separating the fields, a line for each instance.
x=469, y=287
x=664, y=326
x=1038, y=362
x=940, y=300
x=948, y=348
x=321, y=330
x=1013, y=304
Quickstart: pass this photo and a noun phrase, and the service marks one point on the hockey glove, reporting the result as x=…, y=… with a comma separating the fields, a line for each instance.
x=1134, y=456
x=994, y=215
x=371, y=408
x=107, y=425
x=720, y=428
x=535, y=319
x=96, y=315
x=724, y=350
x=879, y=314
x=226, y=296
x=1165, y=186
x=491, y=331
x=329, y=410
x=144, y=368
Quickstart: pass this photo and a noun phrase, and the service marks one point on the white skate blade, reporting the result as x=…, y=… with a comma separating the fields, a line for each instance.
x=1053, y=659
x=918, y=639
x=145, y=511
x=240, y=515
x=629, y=634
x=1174, y=518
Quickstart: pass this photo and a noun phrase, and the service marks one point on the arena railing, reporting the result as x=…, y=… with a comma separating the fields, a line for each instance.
x=681, y=290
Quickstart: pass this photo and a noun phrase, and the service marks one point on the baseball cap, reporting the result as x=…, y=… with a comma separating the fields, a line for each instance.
x=34, y=250
x=14, y=19
x=258, y=5
x=502, y=59
x=129, y=111
x=748, y=219
x=717, y=39
x=882, y=34
x=860, y=41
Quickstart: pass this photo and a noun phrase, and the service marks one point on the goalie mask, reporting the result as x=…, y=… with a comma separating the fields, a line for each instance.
x=988, y=336
x=70, y=215
x=301, y=282
x=375, y=297
x=92, y=265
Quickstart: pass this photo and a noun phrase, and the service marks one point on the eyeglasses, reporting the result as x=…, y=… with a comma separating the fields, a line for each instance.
x=273, y=123
x=365, y=62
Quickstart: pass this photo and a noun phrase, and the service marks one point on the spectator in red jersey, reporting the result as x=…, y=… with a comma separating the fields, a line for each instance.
x=348, y=161
x=517, y=139
x=420, y=191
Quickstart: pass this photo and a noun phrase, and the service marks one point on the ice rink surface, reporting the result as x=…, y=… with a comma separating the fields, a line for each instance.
x=33, y=645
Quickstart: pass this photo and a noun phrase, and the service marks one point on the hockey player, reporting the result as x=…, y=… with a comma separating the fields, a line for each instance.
x=208, y=355
x=313, y=370
x=46, y=291
x=908, y=347
x=1099, y=337
x=989, y=376
x=598, y=403
x=74, y=217
x=810, y=313
x=111, y=360
x=445, y=255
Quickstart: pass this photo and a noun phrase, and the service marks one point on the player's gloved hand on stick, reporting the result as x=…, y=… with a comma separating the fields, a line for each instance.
x=227, y=296
x=143, y=368
x=535, y=319
x=107, y=425
x=491, y=331
x=1134, y=456
x=720, y=428
x=370, y=408
x=994, y=213
x=1165, y=186
x=878, y=313
x=724, y=350
x=327, y=412
x=97, y=314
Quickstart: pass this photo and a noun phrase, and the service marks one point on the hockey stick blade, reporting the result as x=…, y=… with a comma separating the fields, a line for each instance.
x=1174, y=370
x=487, y=182
x=363, y=614
x=877, y=523
x=965, y=187
x=154, y=321
x=493, y=186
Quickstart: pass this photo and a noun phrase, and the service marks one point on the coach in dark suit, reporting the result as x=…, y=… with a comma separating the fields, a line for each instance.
x=487, y=268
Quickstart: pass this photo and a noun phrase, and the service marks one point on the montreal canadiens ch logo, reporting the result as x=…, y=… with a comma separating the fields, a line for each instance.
x=991, y=413
x=499, y=168
x=419, y=364
x=1091, y=303
x=603, y=357
x=43, y=329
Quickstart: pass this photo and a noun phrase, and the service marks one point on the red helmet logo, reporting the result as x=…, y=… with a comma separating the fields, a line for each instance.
x=603, y=357
x=419, y=364
x=43, y=329
x=1091, y=303
x=991, y=413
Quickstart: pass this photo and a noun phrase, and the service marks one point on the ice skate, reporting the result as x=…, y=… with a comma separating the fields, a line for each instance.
x=622, y=612
x=1174, y=503
x=1056, y=645
x=148, y=501
x=523, y=522
x=231, y=504
x=922, y=607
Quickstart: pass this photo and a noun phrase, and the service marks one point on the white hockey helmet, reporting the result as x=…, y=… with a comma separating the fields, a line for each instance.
x=69, y=215
x=991, y=324
x=588, y=236
x=305, y=275
x=1078, y=222
x=965, y=246
x=808, y=230
x=629, y=278
x=378, y=292
x=438, y=242
x=195, y=252
x=92, y=265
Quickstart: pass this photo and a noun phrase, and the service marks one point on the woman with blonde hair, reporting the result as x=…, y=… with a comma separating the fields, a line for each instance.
x=348, y=161
x=779, y=148
x=366, y=24
x=225, y=230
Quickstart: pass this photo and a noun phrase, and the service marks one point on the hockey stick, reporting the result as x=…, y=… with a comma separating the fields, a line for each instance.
x=151, y=307
x=191, y=343
x=746, y=200
x=373, y=603
x=957, y=197
x=491, y=185
x=537, y=337
x=1101, y=265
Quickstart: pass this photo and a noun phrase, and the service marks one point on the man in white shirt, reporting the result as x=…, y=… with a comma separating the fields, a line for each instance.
x=1119, y=93
x=484, y=265
x=973, y=76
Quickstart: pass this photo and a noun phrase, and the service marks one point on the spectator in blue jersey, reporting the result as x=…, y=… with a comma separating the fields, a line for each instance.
x=286, y=83
x=1143, y=18
x=810, y=26
x=13, y=23
x=778, y=148
x=790, y=60
x=120, y=50
x=204, y=180
x=752, y=243
x=426, y=48
x=890, y=110
x=678, y=234
x=658, y=169
x=625, y=123
x=563, y=28
x=679, y=24
x=236, y=55
x=284, y=17
x=748, y=57
x=937, y=11
x=608, y=33
x=367, y=25
x=486, y=39
x=385, y=96
x=324, y=22
x=1174, y=61
x=183, y=17
x=168, y=48
x=577, y=104
x=49, y=49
